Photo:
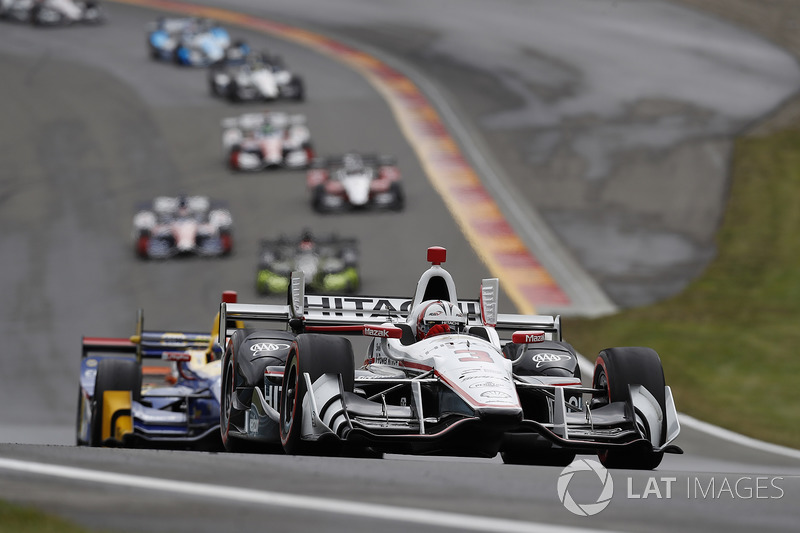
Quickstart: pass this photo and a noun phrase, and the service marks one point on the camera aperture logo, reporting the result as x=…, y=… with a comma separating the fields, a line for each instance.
x=596, y=470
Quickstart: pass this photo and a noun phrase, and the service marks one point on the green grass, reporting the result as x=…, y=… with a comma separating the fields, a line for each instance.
x=730, y=342
x=15, y=519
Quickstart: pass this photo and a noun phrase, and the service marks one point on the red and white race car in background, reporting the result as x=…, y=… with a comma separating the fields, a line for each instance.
x=353, y=181
x=258, y=141
x=182, y=225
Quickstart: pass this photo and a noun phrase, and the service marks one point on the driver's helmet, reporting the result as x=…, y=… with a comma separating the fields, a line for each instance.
x=306, y=241
x=437, y=317
x=183, y=206
x=352, y=163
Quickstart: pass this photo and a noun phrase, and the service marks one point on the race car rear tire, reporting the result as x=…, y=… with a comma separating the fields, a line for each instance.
x=615, y=369
x=316, y=355
x=112, y=375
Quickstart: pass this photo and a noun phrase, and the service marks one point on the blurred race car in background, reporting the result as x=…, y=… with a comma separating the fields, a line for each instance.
x=329, y=264
x=156, y=389
x=182, y=225
x=242, y=75
x=189, y=41
x=437, y=379
x=272, y=139
x=354, y=181
x=52, y=12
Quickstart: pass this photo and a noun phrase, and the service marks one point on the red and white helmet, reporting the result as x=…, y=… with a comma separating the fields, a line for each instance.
x=434, y=312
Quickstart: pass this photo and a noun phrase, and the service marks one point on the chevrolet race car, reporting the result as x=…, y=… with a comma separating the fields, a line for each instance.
x=463, y=392
x=182, y=225
x=52, y=12
x=189, y=41
x=329, y=265
x=354, y=181
x=251, y=76
x=170, y=402
x=272, y=139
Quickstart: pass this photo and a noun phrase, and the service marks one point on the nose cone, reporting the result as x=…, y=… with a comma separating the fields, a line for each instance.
x=505, y=418
x=357, y=188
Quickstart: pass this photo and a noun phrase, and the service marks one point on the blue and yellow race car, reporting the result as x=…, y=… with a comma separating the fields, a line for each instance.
x=156, y=389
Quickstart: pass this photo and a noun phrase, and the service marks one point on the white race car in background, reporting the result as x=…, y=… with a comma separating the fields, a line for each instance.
x=52, y=12
x=242, y=75
x=257, y=141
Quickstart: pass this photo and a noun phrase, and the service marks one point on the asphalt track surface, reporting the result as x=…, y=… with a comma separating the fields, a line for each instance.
x=90, y=128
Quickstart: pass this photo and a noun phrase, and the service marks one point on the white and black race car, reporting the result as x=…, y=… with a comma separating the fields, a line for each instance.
x=52, y=12
x=244, y=75
x=437, y=378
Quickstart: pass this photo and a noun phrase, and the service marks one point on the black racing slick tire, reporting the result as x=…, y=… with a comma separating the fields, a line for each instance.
x=617, y=368
x=316, y=355
x=229, y=442
x=112, y=375
x=318, y=199
x=399, y=198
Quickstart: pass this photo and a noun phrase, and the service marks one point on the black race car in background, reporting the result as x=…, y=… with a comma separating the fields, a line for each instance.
x=249, y=75
x=330, y=264
x=355, y=181
x=182, y=225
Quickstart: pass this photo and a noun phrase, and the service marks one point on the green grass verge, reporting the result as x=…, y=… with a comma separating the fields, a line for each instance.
x=730, y=342
x=15, y=519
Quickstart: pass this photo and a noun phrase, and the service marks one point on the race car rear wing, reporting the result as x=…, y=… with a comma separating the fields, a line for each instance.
x=147, y=344
x=321, y=310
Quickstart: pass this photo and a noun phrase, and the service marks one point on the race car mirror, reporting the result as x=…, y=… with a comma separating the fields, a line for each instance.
x=525, y=337
x=384, y=332
x=297, y=289
x=490, y=288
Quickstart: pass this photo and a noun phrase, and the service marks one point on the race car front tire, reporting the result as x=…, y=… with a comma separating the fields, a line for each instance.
x=230, y=442
x=316, y=355
x=113, y=374
x=399, y=199
x=318, y=199
x=617, y=368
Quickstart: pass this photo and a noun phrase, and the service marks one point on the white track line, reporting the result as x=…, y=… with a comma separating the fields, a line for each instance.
x=460, y=522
